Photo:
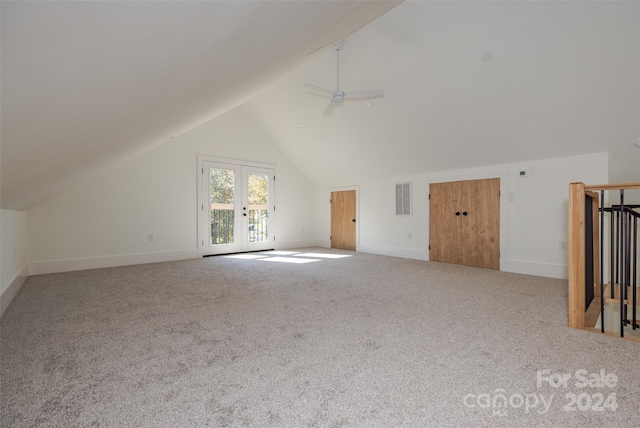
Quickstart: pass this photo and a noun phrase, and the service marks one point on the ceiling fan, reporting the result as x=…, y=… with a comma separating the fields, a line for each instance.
x=338, y=96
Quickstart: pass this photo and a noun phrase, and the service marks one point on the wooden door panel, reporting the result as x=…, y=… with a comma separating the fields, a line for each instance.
x=471, y=238
x=480, y=232
x=444, y=225
x=343, y=216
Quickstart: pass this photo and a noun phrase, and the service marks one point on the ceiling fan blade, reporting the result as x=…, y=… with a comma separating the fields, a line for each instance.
x=328, y=111
x=363, y=95
x=338, y=96
x=319, y=89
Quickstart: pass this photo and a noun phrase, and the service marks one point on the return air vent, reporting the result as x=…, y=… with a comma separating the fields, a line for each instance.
x=403, y=199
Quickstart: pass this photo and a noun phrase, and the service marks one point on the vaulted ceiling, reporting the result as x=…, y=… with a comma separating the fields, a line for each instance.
x=86, y=84
x=467, y=84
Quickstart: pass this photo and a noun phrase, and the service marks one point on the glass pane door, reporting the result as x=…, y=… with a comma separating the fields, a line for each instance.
x=223, y=195
x=258, y=207
x=237, y=208
x=259, y=195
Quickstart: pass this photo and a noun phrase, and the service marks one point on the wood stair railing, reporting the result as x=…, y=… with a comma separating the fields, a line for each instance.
x=589, y=293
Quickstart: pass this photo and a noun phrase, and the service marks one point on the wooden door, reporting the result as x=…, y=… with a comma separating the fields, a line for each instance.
x=444, y=225
x=480, y=233
x=464, y=223
x=343, y=220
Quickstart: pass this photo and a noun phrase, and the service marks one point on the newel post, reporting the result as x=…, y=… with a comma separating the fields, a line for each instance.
x=576, y=255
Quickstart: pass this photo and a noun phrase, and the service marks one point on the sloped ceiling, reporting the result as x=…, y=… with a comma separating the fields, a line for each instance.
x=86, y=84
x=467, y=84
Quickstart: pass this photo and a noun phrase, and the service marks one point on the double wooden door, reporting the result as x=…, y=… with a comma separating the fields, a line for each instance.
x=464, y=223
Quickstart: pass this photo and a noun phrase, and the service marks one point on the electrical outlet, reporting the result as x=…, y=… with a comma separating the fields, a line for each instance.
x=151, y=237
x=563, y=245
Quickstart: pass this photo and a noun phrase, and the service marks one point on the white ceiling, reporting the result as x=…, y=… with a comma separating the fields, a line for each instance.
x=86, y=84
x=564, y=79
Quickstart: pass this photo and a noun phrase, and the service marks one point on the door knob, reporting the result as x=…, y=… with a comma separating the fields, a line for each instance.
x=464, y=213
x=354, y=220
x=457, y=212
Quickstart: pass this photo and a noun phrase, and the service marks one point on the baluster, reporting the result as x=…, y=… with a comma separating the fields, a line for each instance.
x=612, y=246
x=635, y=274
x=617, y=251
x=627, y=255
x=601, y=261
x=622, y=262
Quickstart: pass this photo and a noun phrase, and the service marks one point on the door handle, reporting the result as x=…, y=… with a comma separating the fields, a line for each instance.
x=457, y=212
x=465, y=213
x=354, y=220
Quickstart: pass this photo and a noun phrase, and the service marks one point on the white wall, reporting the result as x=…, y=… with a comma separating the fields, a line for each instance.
x=106, y=219
x=13, y=254
x=624, y=168
x=532, y=225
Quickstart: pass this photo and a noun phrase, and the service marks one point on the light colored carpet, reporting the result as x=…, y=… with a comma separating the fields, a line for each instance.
x=360, y=341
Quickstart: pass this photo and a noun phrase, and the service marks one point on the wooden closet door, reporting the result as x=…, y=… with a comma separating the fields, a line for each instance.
x=444, y=224
x=343, y=220
x=480, y=233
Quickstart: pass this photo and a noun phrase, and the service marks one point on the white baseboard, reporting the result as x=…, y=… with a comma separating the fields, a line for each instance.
x=322, y=243
x=14, y=285
x=55, y=266
x=384, y=250
x=289, y=245
x=549, y=270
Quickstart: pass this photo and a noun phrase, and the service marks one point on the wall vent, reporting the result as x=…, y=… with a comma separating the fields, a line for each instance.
x=403, y=198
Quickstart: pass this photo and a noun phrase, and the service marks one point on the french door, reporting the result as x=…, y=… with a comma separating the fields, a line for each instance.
x=237, y=208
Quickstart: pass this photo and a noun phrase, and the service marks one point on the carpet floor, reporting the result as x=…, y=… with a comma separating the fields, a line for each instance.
x=357, y=341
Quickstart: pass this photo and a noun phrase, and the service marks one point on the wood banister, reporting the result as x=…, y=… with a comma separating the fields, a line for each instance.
x=621, y=186
x=578, y=270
